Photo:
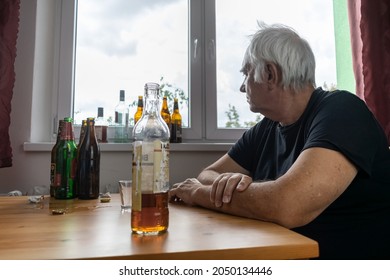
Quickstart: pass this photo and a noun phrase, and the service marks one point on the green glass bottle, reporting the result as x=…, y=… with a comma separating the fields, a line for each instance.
x=66, y=162
x=53, y=166
x=88, y=164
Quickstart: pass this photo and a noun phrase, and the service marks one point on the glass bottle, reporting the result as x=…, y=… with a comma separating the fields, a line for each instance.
x=176, y=129
x=121, y=120
x=165, y=114
x=66, y=163
x=53, y=165
x=140, y=109
x=88, y=164
x=101, y=126
x=149, y=212
x=82, y=131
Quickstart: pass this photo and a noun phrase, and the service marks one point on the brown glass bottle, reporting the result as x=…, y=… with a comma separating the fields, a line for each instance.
x=140, y=109
x=165, y=114
x=82, y=131
x=88, y=164
x=66, y=163
x=176, y=129
x=53, y=164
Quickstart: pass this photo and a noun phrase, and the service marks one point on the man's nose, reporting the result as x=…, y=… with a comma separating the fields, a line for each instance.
x=242, y=88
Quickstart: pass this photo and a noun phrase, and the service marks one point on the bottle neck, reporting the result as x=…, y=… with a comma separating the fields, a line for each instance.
x=176, y=107
x=151, y=102
x=67, y=131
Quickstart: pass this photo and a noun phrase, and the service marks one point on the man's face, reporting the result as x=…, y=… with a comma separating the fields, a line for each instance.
x=257, y=94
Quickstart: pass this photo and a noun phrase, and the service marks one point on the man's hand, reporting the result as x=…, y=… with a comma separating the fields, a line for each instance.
x=184, y=191
x=225, y=184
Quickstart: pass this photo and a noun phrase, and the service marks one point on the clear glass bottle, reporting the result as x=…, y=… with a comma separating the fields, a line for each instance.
x=66, y=163
x=101, y=126
x=149, y=213
x=88, y=164
x=176, y=128
x=121, y=120
x=53, y=165
x=140, y=109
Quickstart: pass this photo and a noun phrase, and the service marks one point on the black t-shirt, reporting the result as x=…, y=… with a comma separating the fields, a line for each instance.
x=357, y=224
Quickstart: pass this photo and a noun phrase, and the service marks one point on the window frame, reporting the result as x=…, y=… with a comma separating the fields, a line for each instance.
x=202, y=72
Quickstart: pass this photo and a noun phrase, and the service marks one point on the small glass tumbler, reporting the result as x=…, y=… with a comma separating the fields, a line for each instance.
x=125, y=192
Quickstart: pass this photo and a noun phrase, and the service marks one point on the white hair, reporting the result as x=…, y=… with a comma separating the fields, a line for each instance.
x=281, y=45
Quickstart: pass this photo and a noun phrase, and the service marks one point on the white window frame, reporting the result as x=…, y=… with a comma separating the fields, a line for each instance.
x=202, y=71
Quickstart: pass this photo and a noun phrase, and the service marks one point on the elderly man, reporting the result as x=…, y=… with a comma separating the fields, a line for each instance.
x=318, y=162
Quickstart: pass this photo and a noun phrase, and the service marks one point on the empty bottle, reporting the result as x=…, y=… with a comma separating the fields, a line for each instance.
x=88, y=164
x=66, y=163
x=121, y=120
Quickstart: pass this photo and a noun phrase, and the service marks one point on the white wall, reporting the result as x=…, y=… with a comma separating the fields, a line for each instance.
x=31, y=166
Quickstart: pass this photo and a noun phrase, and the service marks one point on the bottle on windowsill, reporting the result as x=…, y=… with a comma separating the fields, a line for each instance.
x=101, y=126
x=121, y=120
x=176, y=129
x=140, y=109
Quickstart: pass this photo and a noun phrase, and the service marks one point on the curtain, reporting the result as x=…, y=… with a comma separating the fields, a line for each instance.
x=9, y=24
x=370, y=40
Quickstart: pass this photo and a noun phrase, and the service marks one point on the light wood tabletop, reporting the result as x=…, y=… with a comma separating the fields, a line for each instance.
x=90, y=229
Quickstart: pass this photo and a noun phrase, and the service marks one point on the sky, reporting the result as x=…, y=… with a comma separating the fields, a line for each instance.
x=122, y=44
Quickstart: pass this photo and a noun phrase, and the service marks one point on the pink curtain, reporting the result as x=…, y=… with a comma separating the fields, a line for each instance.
x=370, y=38
x=9, y=24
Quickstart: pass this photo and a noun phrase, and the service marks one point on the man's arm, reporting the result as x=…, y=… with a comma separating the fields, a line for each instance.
x=314, y=181
x=223, y=165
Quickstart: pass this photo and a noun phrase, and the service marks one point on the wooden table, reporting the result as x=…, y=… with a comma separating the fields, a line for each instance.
x=94, y=230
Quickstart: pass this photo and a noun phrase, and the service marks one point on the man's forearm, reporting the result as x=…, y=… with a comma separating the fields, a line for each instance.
x=207, y=176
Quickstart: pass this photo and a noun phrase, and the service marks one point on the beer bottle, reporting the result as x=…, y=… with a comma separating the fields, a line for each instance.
x=66, y=162
x=165, y=114
x=149, y=212
x=82, y=131
x=176, y=129
x=140, y=108
x=121, y=120
x=53, y=165
x=88, y=164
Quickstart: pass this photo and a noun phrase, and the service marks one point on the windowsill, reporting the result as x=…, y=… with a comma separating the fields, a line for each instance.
x=125, y=147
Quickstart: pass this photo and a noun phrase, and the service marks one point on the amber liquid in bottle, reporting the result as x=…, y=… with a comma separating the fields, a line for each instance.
x=140, y=108
x=150, y=167
x=154, y=215
x=165, y=114
x=176, y=128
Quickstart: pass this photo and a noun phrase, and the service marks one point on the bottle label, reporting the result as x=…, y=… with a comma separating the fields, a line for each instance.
x=150, y=169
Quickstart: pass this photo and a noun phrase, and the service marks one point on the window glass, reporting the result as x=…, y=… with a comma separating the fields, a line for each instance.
x=121, y=45
x=235, y=22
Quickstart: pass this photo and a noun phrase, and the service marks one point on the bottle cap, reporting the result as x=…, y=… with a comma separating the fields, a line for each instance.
x=122, y=95
x=100, y=112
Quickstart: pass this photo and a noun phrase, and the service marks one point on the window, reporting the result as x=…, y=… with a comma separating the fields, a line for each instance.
x=196, y=45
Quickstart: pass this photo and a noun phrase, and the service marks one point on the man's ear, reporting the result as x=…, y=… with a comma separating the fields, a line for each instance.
x=274, y=76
